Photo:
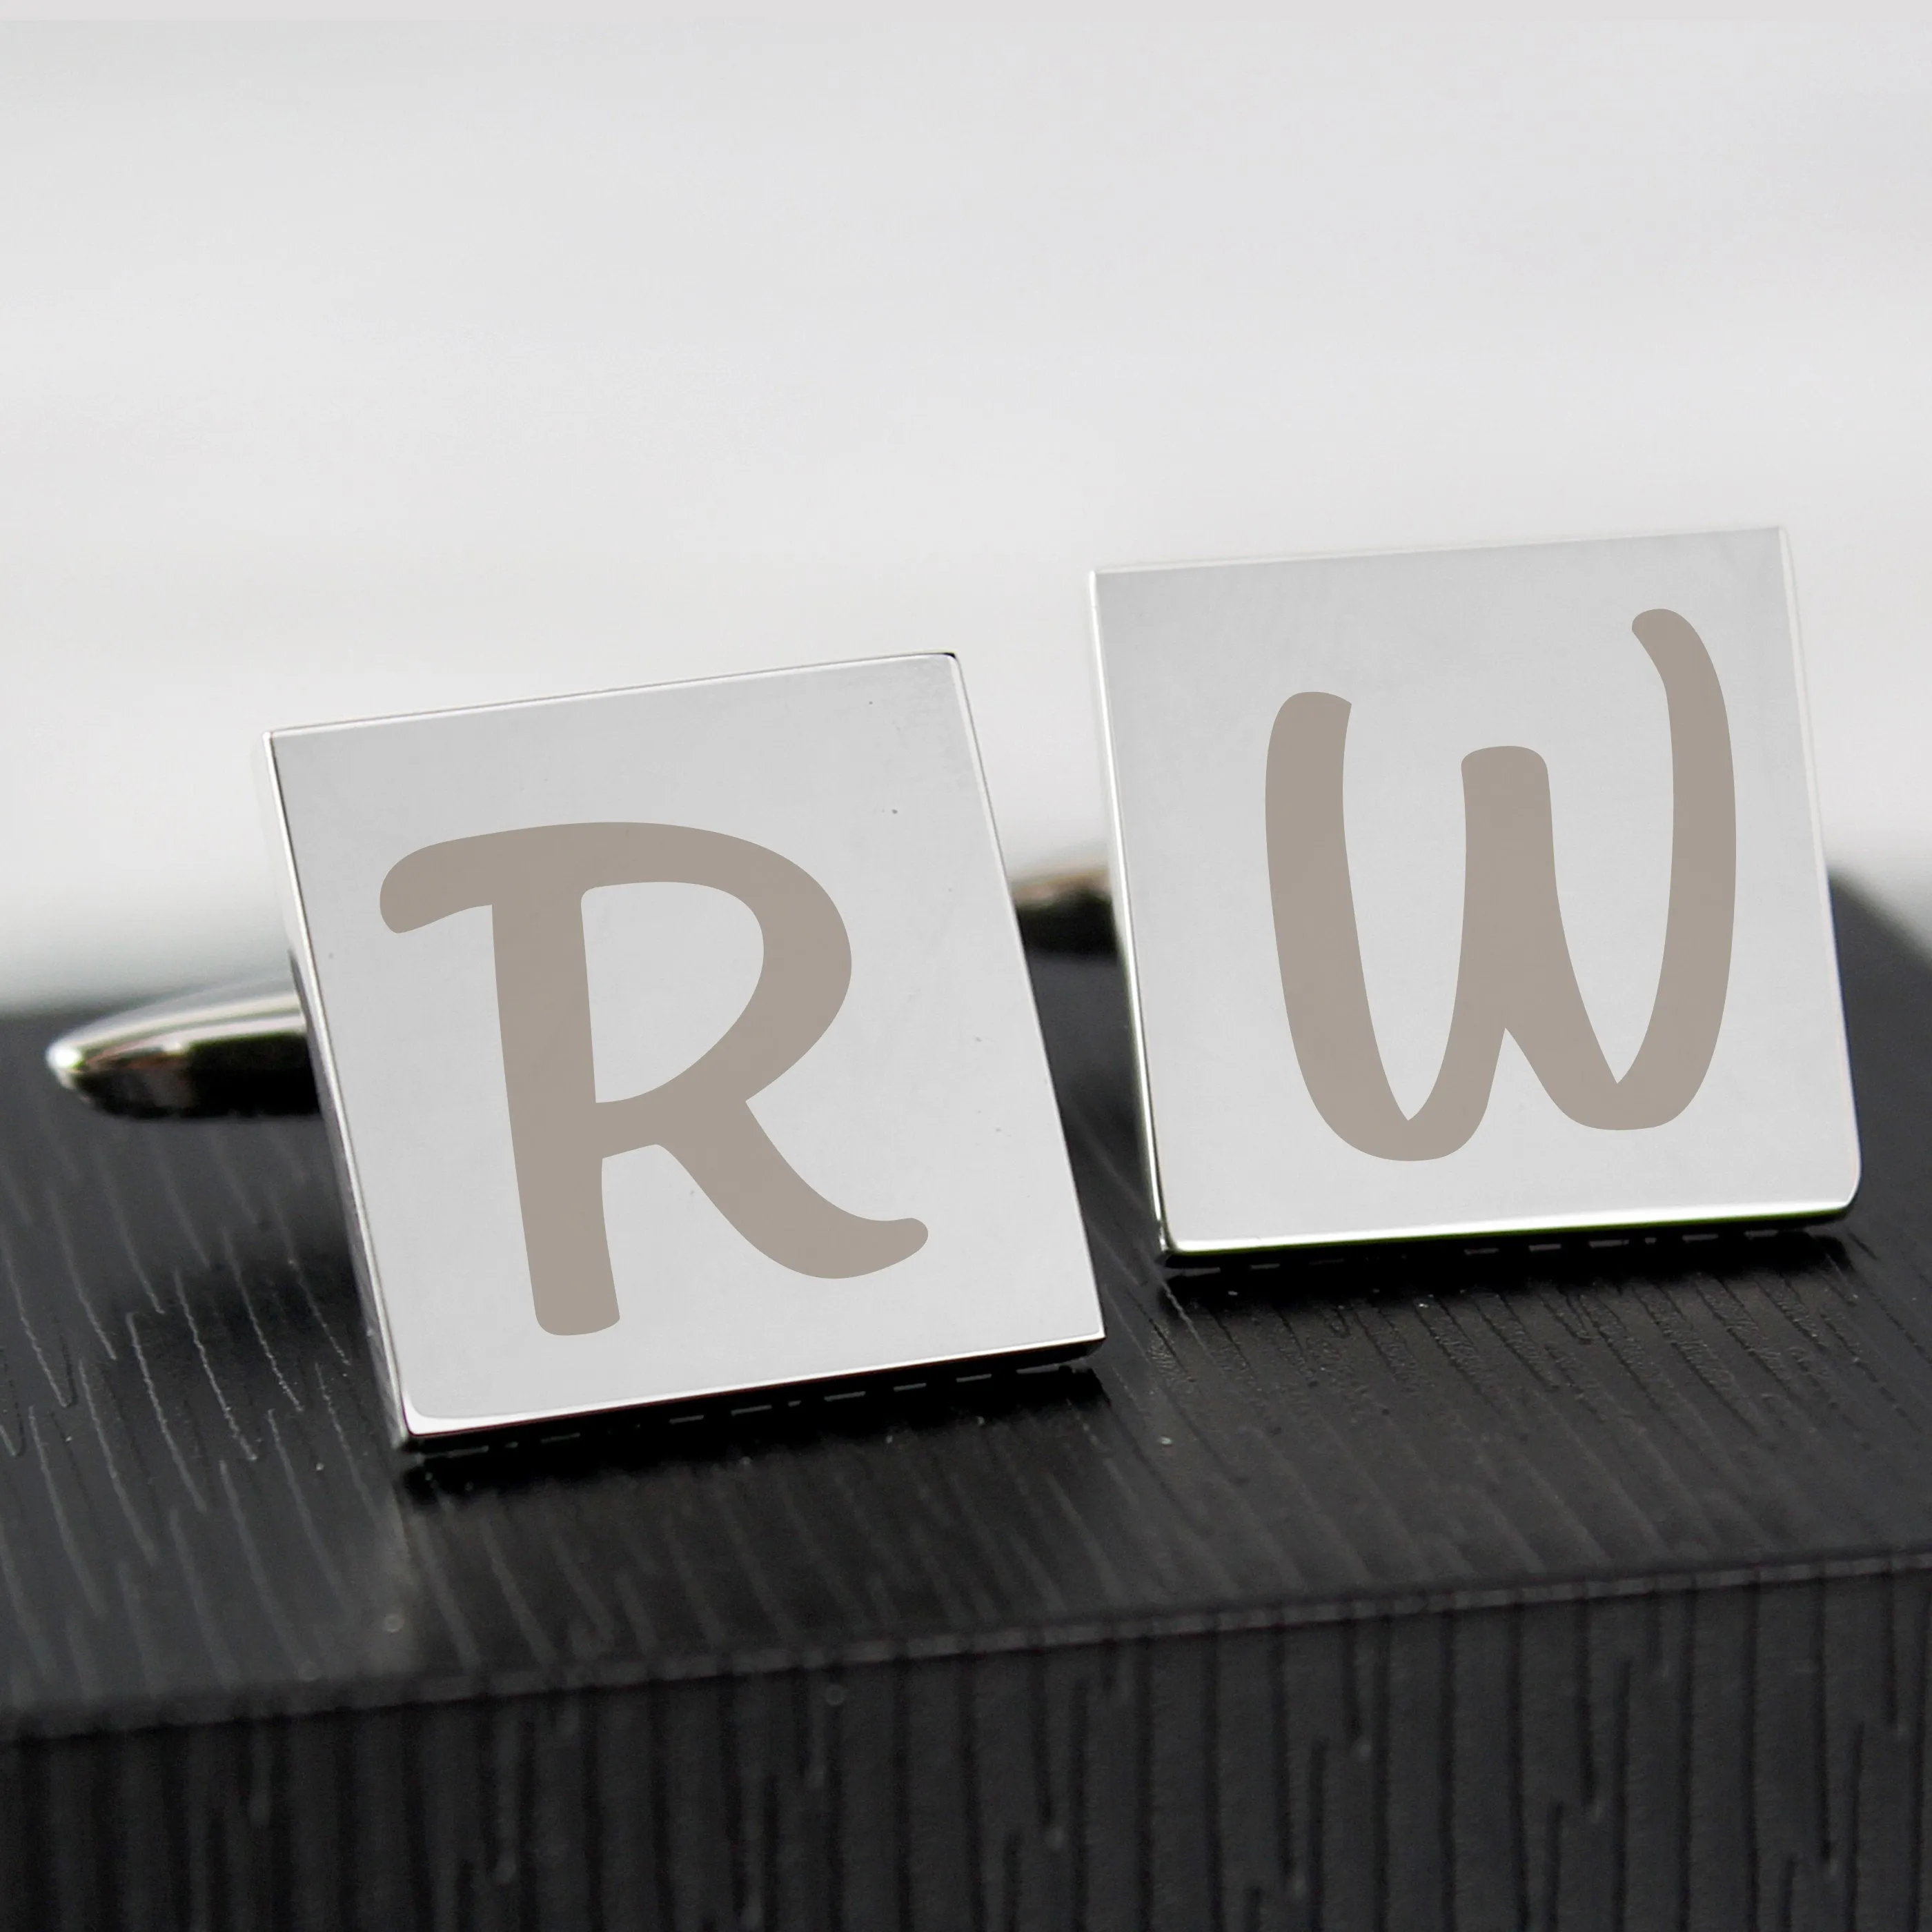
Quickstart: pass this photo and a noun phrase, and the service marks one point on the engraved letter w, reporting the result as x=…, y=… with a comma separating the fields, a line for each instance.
x=1515, y=976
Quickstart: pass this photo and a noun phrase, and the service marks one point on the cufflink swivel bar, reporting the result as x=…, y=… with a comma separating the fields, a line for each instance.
x=241, y=1047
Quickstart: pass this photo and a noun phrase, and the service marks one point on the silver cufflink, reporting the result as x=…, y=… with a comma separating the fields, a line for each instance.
x=1475, y=891
x=674, y=1043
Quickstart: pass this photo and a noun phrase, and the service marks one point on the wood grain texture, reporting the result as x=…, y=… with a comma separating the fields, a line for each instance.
x=1732, y=1758
x=1580, y=1584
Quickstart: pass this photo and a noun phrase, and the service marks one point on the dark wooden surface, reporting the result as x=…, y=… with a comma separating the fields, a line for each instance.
x=1578, y=1583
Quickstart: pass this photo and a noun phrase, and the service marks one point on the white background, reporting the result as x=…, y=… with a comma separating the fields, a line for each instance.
x=346, y=370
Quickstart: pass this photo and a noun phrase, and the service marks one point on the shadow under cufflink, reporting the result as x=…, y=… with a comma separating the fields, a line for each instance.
x=935, y=1401
x=1664, y=1258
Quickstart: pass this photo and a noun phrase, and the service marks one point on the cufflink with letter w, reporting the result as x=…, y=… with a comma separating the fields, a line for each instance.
x=1474, y=891
x=677, y=1042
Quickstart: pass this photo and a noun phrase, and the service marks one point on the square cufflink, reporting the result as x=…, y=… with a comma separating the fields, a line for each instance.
x=677, y=1042
x=1474, y=891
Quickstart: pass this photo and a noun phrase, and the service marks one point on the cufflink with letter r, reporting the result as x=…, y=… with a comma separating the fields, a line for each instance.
x=677, y=1042
x=1476, y=891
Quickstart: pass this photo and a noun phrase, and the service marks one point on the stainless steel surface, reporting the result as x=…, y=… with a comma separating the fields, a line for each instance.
x=1473, y=677
x=242, y=1047
x=924, y=1109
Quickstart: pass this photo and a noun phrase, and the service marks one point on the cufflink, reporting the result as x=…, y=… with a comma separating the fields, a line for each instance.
x=673, y=1042
x=1477, y=891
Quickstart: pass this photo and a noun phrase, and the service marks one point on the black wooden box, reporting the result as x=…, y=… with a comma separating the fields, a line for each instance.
x=1580, y=1584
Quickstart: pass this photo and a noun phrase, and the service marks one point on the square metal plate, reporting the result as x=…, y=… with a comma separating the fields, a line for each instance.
x=1475, y=890
x=677, y=1042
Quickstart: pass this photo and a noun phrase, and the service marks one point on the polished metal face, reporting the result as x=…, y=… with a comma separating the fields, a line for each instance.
x=677, y=1042
x=1472, y=891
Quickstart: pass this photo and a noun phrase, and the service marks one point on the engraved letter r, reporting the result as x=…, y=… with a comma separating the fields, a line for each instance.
x=534, y=881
